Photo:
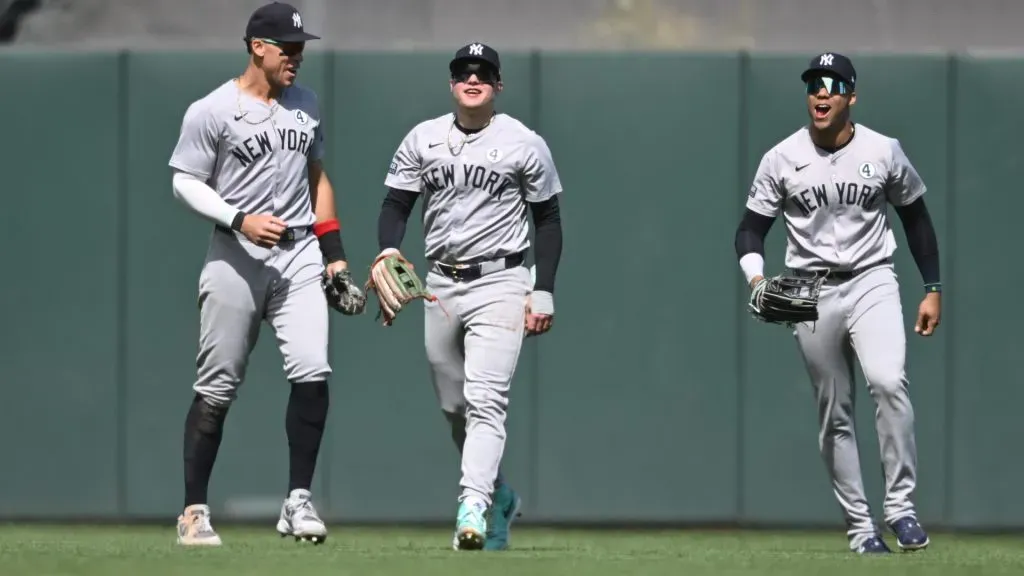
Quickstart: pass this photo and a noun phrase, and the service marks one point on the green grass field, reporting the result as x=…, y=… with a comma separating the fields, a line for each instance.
x=95, y=551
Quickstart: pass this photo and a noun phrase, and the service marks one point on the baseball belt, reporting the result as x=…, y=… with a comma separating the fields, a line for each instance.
x=841, y=275
x=470, y=272
x=289, y=235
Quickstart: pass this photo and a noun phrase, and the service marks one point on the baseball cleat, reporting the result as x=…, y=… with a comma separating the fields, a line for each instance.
x=300, y=519
x=194, y=528
x=910, y=536
x=471, y=526
x=873, y=545
x=504, y=509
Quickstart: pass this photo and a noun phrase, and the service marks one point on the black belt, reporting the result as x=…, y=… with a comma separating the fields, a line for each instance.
x=469, y=272
x=840, y=275
x=289, y=235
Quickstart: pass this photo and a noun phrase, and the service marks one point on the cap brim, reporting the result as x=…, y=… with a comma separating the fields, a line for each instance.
x=451, y=65
x=815, y=69
x=296, y=37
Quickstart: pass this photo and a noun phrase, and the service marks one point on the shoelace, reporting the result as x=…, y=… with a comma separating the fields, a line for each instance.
x=305, y=511
x=202, y=524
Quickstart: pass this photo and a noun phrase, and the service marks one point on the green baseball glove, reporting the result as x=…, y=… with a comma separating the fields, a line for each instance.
x=396, y=284
x=786, y=299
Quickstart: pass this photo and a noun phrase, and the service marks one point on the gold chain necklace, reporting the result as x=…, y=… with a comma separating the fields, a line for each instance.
x=465, y=137
x=243, y=115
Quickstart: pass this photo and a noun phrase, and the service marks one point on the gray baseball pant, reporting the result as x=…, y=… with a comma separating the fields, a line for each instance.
x=473, y=338
x=240, y=286
x=862, y=319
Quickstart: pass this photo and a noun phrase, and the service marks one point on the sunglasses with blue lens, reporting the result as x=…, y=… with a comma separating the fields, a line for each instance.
x=833, y=86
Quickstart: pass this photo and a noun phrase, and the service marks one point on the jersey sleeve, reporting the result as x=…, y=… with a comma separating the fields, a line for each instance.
x=904, y=184
x=766, y=192
x=404, y=172
x=540, y=177
x=196, y=150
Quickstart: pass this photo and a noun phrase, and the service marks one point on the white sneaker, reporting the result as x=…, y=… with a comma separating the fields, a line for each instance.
x=194, y=528
x=300, y=519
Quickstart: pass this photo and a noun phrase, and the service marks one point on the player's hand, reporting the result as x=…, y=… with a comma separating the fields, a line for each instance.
x=928, y=314
x=755, y=280
x=263, y=229
x=336, y=266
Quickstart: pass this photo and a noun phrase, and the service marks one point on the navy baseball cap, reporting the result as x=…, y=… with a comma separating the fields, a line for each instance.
x=279, y=22
x=831, y=63
x=475, y=52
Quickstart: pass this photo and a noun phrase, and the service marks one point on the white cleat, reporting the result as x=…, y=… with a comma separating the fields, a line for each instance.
x=300, y=519
x=194, y=528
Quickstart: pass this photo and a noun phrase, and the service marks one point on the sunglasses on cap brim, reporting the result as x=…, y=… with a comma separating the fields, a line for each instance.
x=485, y=73
x=833, y=86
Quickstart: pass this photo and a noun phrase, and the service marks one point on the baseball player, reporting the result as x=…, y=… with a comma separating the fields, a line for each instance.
x=832, y=181
x=249, y=160
x=478, y=170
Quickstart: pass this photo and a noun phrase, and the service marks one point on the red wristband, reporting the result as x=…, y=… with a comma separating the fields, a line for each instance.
x=321, y=228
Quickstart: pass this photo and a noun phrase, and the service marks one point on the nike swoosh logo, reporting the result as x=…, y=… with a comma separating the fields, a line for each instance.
x=434, y=144
x=239, y=117
x=799, y=168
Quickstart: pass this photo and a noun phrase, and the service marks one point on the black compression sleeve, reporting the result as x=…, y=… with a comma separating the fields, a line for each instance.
x=751, y=232
x=921, y=239
x=394, y=213
x=548, y=221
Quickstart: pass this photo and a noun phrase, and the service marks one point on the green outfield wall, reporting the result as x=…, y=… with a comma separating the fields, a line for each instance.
x=649, y=401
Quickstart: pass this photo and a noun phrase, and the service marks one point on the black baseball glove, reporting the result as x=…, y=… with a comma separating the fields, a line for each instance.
x=342, y=293
x=786, y=299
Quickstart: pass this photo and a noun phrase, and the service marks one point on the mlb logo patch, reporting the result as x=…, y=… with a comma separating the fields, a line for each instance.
x=394, y=168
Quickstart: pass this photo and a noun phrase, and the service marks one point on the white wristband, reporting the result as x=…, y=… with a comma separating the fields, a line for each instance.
x=752, y=265
x=542, y=302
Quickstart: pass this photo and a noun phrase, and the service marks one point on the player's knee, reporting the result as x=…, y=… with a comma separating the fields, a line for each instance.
x=308, y=367
x=886, y=383
x=486, y=404
x=218, y=394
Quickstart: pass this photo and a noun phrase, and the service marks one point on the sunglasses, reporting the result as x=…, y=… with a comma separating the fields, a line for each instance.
x=286, y=48
x=833, y=86
x=484, y=73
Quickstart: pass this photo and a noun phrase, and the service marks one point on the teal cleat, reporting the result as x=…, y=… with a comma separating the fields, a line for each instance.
x=471, y=526
x=504, y=509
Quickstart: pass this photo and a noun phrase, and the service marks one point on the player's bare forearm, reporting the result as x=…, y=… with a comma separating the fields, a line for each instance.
x=321, y=193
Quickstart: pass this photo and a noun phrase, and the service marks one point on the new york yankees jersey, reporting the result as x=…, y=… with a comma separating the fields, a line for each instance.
x=474, y=186
x=835, y=205
x=253, y=154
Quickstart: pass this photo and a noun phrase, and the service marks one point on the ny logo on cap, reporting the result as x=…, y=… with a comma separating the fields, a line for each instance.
x=297, y=20
x=476, y=50
x=826, y=60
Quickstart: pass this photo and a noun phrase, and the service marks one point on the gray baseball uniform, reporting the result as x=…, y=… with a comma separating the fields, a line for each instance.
x=475, y=191
x=255, y=156
x=835, y=208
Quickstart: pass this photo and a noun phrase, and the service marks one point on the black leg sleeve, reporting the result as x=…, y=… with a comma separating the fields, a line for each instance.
x=204, y=428
x=304, y=423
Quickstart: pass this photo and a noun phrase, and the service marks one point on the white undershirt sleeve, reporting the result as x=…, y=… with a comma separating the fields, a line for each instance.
x=202, y=199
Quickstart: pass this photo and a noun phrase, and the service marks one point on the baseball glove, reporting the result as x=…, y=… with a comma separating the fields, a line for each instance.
x=396, y=284
x=342, y=293
x=786, y=299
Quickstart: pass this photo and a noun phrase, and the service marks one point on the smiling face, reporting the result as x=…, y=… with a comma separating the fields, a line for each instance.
x=279, y=61
x=474, y=84
x=828, y=101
